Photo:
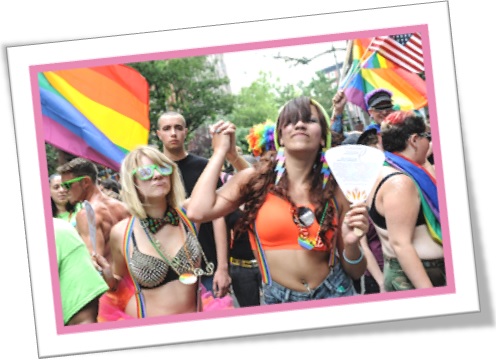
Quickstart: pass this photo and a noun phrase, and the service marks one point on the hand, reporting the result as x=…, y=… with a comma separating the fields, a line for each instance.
x=103, y=267
x=221, y=283
x=355, y=221
x=224, y=137
x=339, y=101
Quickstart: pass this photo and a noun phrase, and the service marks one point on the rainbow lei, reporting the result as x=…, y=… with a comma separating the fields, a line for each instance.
x=325, y=171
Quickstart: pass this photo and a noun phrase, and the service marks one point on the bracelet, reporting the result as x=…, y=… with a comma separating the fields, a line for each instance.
x=353, y=262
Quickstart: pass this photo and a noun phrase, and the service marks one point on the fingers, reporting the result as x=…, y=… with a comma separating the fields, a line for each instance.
x=222, y=127
x=357, y=217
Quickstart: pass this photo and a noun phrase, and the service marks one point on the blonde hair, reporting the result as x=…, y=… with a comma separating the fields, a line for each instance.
x=130, y=193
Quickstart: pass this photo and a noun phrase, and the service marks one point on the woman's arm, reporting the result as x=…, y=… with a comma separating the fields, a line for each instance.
x=401, y=204
x=206, y=203
x=350, y=217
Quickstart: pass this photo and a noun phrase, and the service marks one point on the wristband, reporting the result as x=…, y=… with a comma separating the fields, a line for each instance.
x=353, y=262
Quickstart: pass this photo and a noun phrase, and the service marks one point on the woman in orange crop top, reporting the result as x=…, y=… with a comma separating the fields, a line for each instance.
x=300, y=224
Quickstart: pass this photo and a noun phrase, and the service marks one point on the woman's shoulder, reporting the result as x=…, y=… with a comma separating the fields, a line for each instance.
x=120, y=227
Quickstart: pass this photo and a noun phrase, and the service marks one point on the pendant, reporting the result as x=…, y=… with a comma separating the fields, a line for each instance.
x=305, y=216
x=306, y=243
x=188, y=279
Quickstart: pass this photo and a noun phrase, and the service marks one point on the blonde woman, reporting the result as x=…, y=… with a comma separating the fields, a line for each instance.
x=156, y=249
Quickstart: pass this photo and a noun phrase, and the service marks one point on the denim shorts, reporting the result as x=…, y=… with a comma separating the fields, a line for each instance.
x=336, y=284
x=395, y=278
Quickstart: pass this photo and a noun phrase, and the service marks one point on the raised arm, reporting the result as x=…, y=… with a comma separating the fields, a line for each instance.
x=205, y=203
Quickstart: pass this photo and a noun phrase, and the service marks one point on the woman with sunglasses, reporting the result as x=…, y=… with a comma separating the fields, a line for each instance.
x=404, y=207
x=299, y=222
x=157, y=259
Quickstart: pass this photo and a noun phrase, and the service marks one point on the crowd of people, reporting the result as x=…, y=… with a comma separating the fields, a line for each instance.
x=178, y=233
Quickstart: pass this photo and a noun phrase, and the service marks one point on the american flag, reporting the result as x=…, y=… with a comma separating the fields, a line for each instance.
x=405, y=50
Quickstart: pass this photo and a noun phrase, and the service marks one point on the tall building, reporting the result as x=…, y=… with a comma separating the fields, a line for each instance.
x=220, y=68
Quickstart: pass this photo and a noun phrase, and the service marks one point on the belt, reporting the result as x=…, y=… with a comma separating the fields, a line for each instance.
x=243, y=263
x=434, y=263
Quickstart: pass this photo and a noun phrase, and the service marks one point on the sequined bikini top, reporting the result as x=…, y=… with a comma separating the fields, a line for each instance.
x=151, y=272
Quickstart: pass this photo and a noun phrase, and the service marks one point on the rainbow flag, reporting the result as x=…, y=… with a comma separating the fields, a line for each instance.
x=370, y=70
x=99, y=113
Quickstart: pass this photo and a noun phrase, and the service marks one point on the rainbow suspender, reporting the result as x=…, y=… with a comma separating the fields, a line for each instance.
x=140, y=301
x=260, y=255
x=262, y=261
x=332, y=256
x=186, y=221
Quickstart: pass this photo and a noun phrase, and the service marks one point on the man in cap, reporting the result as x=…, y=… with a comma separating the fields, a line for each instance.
x=379, y=105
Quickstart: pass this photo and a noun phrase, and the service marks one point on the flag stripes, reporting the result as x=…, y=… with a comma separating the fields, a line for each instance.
x=405, y=50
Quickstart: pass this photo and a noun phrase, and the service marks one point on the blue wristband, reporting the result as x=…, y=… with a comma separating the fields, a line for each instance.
x=353, y=262
x=337, y=124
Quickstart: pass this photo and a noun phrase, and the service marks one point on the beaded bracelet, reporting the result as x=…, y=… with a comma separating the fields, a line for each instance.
x=353, y=262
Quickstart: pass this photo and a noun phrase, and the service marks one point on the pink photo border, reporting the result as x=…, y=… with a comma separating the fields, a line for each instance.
x=35, y=69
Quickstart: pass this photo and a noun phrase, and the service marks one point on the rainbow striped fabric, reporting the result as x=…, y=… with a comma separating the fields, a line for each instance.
x=99, y=113
x=370, y=70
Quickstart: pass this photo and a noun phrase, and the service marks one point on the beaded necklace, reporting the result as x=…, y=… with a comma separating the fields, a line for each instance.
x=191, y=275
x=301, y=218
x=155, y=224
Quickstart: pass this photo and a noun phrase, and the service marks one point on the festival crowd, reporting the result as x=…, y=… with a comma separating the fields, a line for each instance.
x=177, y=233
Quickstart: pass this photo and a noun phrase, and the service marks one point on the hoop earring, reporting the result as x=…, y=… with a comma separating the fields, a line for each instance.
x=325, y=171
x=280, y=164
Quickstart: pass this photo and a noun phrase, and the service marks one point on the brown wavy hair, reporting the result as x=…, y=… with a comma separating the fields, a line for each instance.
x=255, y=192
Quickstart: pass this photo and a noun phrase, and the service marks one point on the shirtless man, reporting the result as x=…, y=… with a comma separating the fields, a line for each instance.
x=79, y=177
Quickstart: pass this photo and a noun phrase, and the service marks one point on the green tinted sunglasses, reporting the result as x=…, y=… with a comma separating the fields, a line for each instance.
x=67, y=184
x=145, y=172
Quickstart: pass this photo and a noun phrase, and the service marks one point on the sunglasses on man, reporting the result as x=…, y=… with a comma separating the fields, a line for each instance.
x=67, y=184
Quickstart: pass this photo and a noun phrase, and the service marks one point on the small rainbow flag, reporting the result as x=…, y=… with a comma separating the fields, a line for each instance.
x=99, y=113
x=370, y=70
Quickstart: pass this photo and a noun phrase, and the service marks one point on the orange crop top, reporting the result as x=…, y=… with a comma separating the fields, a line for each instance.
x=276, y=229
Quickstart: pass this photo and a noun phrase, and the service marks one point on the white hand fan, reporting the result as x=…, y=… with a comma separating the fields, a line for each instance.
x=355, y=168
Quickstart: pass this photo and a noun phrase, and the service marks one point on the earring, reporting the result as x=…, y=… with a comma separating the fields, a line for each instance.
x=325, y=171
x=280, y=163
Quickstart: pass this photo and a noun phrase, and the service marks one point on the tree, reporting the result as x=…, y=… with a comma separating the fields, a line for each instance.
x=322, y=89
x=187, y=85
x=256, y=103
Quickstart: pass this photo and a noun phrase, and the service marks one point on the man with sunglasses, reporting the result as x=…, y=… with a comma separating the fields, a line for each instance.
x=79, y=178
x=172, y=131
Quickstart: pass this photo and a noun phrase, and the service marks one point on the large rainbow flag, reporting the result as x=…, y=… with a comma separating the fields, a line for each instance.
x=99, y=113
x=369, y=70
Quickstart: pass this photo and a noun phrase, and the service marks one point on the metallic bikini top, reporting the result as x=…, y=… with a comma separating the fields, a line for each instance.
x=151, y=272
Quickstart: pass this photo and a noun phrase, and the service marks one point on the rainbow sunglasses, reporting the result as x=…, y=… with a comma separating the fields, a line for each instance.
x=326, y=117
x=146, y=172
